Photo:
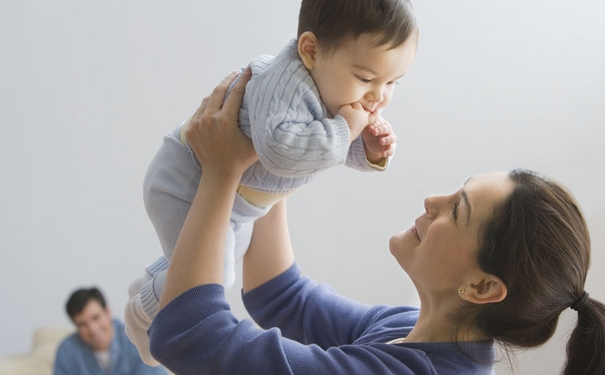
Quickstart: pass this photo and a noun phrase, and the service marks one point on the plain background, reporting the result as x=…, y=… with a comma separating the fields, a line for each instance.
x=89, y=88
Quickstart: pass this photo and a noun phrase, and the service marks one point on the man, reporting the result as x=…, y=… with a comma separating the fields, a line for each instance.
x=100, y=345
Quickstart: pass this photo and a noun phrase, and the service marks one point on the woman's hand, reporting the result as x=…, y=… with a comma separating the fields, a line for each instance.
x=213, y=134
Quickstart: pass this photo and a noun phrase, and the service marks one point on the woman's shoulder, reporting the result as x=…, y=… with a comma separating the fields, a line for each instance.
x=399, y=316
x=385, y=323
x=392, y=323
x=434, y=358
x=473, y=358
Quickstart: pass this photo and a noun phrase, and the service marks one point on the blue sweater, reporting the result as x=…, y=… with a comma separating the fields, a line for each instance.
x=306, y=329
x=75, y=357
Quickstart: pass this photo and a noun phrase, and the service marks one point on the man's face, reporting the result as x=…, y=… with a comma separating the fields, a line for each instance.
x=94, y=326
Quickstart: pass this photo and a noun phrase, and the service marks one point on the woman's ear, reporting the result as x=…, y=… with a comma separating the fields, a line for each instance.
x=307, y=49
x=487, y=289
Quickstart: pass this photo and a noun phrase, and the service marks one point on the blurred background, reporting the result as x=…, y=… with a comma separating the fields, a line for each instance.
x=89, y=88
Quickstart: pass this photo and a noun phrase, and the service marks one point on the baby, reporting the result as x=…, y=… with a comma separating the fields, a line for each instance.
x=315, y=105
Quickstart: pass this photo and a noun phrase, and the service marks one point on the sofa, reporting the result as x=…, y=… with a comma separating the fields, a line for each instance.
x=41, y=357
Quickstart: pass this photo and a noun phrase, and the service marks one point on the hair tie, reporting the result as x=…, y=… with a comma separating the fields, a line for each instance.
x=580, y=302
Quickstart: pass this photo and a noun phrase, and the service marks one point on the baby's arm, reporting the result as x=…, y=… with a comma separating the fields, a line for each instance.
x=293, y=135
x=291, y=132
x=293, y=147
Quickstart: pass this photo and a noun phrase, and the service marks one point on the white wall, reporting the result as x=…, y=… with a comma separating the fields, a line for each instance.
x=89, y=87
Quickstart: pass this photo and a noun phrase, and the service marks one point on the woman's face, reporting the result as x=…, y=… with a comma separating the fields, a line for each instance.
x=440, y=250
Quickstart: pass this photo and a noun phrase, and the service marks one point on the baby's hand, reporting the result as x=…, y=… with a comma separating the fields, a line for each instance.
x=379, y=140
x=357, y=119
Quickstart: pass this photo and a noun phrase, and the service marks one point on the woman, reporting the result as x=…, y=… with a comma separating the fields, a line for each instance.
x=498, y=260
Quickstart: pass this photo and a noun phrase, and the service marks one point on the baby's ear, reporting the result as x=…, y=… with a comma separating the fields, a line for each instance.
x=488, y=289
x=307, y=49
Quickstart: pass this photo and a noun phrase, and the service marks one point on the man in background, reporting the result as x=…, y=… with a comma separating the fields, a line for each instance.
x=100, y=345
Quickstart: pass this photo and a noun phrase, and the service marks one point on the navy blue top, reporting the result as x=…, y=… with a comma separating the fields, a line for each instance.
x=306, y=329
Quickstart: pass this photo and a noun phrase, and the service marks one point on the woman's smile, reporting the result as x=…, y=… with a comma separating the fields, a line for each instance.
x=415, y=231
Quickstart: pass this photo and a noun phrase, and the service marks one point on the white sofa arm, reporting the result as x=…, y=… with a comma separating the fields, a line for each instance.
x=41, y=358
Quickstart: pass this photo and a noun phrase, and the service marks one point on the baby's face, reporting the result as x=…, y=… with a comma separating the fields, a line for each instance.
x=360, y=72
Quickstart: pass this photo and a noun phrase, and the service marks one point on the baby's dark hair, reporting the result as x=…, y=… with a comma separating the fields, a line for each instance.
x=334, y=21
x=80, y=298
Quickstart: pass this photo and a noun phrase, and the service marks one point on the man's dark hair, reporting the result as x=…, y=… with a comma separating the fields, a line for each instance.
x=80, y=298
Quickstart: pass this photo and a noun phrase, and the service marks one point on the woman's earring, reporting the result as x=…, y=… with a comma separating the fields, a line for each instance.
x=461, y=291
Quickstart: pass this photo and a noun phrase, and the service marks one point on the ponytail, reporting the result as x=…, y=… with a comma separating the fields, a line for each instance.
x=537, y=242
x=585, y=348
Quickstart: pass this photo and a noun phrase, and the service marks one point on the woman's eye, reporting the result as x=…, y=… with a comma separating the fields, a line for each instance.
x=455, y=211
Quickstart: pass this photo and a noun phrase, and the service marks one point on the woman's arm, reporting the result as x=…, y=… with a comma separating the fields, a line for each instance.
x=195, y=331
x=275, y=295
x=224, y=153
x=270, y=252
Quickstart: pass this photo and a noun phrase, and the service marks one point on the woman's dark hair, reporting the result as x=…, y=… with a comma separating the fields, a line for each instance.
x=333, y=21
x=537, y=242
x=80, y=298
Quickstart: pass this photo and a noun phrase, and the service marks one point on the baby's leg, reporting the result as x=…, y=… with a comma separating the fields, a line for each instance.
x=142, y=305
x=169, y=187
x=144, y=293
x=170, y=184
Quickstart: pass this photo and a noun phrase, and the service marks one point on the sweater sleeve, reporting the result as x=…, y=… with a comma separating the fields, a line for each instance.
x=197, y=334
x=357, y=159
x=291, y=131
x=307, y=312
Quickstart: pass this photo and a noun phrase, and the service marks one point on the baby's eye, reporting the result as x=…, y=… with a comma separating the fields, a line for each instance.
x=392, y=83
x=364, y=80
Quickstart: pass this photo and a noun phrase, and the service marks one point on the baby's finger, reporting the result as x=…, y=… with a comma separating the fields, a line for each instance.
x=389, y=150
x=375, y=117
x=390, y=139
x=384, y=128
x=381, y=128
x=357, y=106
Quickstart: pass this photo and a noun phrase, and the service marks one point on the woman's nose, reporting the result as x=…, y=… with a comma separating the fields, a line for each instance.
x=431, y=206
